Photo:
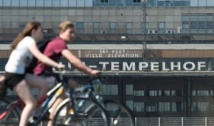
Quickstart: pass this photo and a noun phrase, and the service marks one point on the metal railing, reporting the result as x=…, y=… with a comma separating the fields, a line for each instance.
x=174, y=121
x=158, y=121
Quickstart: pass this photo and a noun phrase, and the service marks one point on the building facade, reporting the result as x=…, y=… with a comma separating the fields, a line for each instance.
x=176, y=21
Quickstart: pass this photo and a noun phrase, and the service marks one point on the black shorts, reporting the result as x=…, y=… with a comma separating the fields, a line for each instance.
x=12, y=79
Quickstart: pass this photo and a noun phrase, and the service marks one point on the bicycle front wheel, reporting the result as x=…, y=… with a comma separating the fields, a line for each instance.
x=86, y=113
x=119, y=114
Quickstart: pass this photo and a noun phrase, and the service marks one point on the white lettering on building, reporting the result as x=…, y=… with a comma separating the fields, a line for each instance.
x=128, y=67
x=149, y=66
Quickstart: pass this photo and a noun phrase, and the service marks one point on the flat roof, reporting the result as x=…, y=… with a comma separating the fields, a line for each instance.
x=131, y=46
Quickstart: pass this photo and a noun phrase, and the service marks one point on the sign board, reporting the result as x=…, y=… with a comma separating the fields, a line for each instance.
x=111, y=54
x=137, y=64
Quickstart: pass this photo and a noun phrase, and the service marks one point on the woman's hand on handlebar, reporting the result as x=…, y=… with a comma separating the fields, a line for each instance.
x=95, y=73
x=61, y=67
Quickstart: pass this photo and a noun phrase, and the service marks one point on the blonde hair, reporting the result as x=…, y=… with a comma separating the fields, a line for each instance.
x=26, y=32
x=65, y=25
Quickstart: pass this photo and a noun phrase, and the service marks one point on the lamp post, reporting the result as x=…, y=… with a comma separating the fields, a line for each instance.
x=144, y=5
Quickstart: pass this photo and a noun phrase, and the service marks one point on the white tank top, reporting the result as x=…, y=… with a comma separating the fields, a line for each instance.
x=20, y=57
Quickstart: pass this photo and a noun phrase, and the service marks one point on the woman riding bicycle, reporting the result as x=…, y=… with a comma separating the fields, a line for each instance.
x=23, y=49
x=57, y=48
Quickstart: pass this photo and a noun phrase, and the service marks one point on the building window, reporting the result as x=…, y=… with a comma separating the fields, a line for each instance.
x=23, y=3
x=151, y=107
x=210, y=25
x=185, y=17
x=147, y=25
x=129, y=104
x=203, y=106
x=113, y=2
x=194, y=107
x=200, y=106
x=164, y=106
x=128, y=27
x=194, y=93
x=96, y=27
x=193, y=25
x=104, y=1
x=39, y=3
x=161, y=25
x=179, y=93
x=185, y=24
x=166, y=93
x=112, y=27
x=160, y=93
x=138, y=106
x=153, y=93
x=109, y=89
x=201, y=24
x=202, y=18
x=129, y=89
x=211, y=93
x=209, y=17
x=173, y=92
x=178, y=106
x=181, y=3
x=194, y=17
x=80, y=27
x=202, y=93
x=47, y=3
x=139, y=93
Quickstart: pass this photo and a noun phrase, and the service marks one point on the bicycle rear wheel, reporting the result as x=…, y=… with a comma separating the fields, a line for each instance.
x=9, y=115
x=89, y=113
x=119, y=114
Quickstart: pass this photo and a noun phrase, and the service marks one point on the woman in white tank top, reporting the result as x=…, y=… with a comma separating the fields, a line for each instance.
x=23, y=49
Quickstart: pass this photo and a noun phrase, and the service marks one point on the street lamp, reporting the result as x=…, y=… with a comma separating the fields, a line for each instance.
x=144, y=5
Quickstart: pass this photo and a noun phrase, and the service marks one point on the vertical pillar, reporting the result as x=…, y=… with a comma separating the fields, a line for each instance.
x=188, y=97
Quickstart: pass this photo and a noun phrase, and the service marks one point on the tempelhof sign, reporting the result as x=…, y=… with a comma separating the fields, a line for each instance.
x=151, y=66
x=131, y=60
x=136, y=64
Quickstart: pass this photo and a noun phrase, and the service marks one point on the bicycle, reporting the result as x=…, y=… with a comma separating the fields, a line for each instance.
x=46, y=103
x=118, y=114
x=79, y=111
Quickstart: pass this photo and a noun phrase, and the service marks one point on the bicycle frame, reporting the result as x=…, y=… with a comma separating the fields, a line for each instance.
x=89, y=93
x=52, y=96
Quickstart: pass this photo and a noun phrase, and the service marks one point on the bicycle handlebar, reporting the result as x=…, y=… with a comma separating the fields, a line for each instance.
x=61, y=73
